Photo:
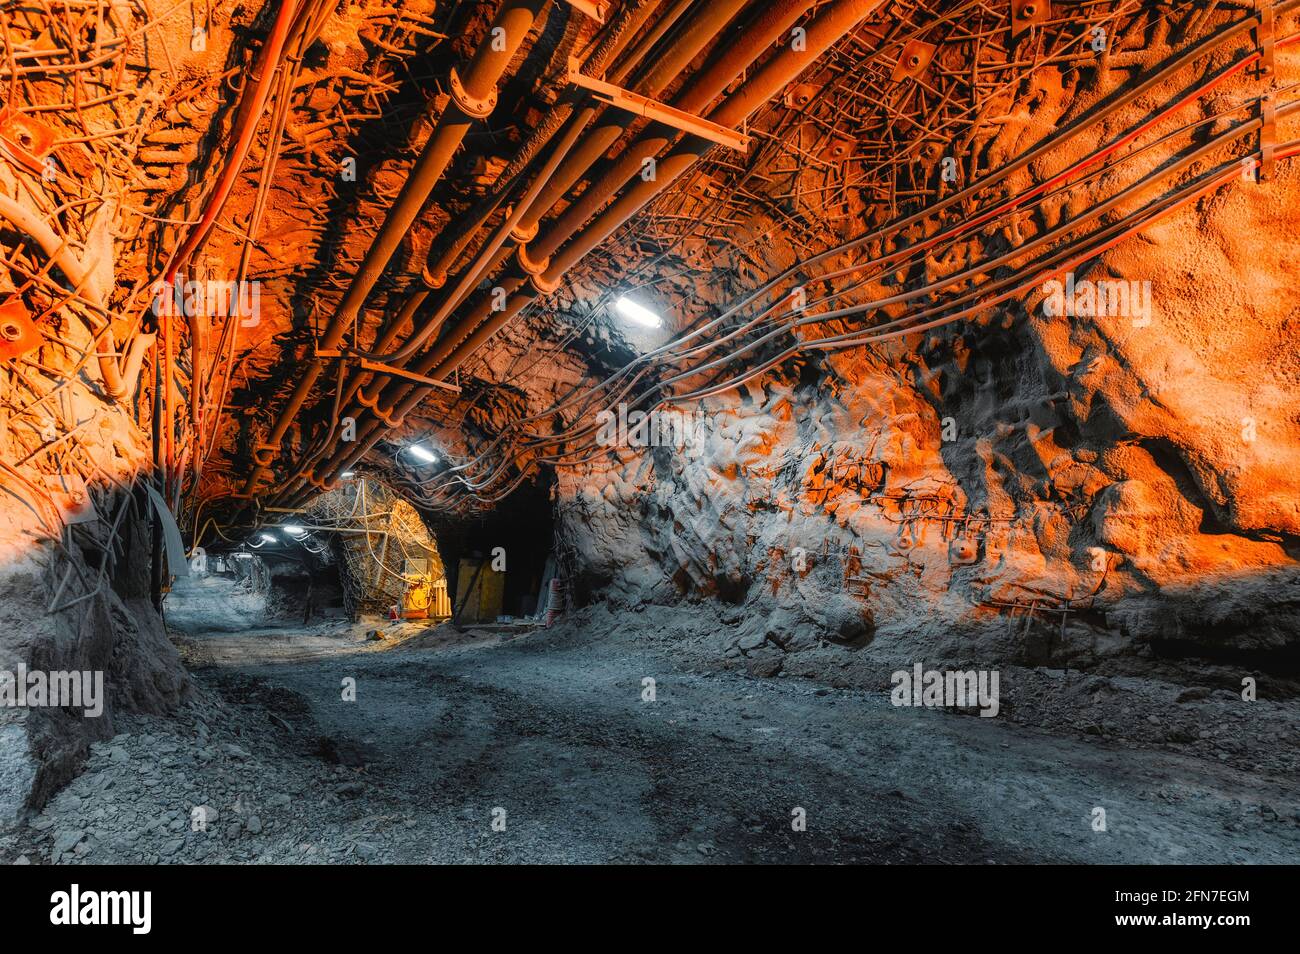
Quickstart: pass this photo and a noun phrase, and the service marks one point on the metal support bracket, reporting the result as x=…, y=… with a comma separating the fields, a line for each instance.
x=660, y=112
x=913, y=60
x=18, y=333
x=263, y=454
x=24, y=140
x=1028, y=13
x=378, y=367
x=1267, y=139
x=1264, y=37
x=473, y=108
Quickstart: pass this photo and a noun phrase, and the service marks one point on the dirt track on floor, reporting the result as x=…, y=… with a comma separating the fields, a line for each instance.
x=548, y=732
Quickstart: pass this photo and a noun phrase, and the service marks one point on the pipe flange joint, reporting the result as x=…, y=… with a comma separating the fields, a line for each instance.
x=543, y=285
x=366, y=400
x=522, y=233
x=471, y=107
x=431, y=280
x=387, y=416
x=529, y=266
x=263, y=454
x=317, y=482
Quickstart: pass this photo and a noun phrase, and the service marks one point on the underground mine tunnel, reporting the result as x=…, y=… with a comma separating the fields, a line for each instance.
x=650, y=431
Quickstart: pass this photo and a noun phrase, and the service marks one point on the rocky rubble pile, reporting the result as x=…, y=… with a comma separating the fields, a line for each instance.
x=218, y=784
x=1194, y=707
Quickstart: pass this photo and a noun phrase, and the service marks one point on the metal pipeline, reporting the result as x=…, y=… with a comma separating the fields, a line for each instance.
x=709, y=84
x=825, y=29
x=1179, y=63
x=443, y=257
x=473, y=98
x=631, y=18
x=701, y=30
x=702, y=90
x=374, y=432
x=248, y=115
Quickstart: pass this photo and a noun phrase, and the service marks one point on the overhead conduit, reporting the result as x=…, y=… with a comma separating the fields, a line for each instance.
x=822, y=32
x=699, y=31
x=473, y=98
x=1108, y=107
x=826, y=28
x=560, y=118
x=595, y=143
x=770, y=26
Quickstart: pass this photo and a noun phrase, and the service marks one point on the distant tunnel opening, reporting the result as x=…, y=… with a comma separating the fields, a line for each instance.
x=358, y=552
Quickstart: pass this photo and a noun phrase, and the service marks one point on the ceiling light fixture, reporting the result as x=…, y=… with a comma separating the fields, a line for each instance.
x=422, y=453
x=637, y=313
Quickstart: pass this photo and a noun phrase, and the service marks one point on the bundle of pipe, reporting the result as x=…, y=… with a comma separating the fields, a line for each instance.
x=1213, y=43
x=473, y=97
x=758, y=37
x=851, y=339
x=560, y=116
x=828, y=26
x=561, y=171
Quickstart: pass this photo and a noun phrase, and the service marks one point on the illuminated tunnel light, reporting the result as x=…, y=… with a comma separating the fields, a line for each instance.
x=422, y=453
x=637, y=313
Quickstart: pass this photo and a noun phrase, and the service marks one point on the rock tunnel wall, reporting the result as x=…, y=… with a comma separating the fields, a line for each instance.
x=59, y=615
x=1029, y=485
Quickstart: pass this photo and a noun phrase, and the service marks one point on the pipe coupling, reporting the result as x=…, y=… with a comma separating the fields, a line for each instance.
x=528, y=266
x=543, y=285
x=471, y=107
x=431, y=280
x=523, y=234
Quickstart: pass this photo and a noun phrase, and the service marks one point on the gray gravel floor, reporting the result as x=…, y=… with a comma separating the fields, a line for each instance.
x=476, y=747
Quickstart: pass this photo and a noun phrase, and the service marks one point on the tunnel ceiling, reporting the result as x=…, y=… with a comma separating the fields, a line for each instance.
x=434, y=218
